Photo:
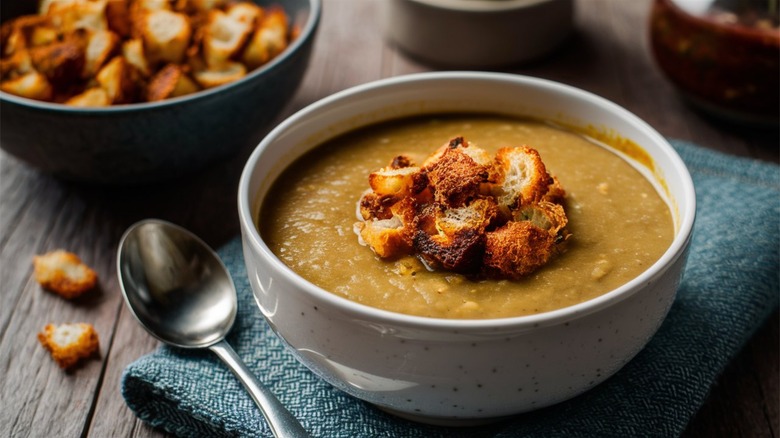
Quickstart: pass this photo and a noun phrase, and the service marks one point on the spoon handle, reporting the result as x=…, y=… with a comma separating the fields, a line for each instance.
x=283, y=423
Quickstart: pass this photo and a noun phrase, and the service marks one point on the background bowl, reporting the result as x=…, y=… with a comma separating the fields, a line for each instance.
x=460, y=371
x=477, y=33
x=146, y=142
x=723, y=56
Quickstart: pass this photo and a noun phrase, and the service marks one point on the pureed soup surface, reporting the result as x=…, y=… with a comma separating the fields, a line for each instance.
x=619, y=223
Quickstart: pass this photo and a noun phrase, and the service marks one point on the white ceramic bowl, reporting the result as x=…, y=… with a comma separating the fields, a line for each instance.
x=477, y=33
x=460, y=371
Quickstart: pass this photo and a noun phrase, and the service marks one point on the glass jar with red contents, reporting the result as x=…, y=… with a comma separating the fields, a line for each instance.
x=723, y=55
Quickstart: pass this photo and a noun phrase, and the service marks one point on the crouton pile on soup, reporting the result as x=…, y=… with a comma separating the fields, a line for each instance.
x=467, y=211
x=102, y=52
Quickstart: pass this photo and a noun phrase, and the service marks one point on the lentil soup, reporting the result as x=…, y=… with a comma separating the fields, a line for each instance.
x=619, y=223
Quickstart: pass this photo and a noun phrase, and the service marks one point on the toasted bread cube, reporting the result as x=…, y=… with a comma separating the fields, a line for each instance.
x=133, y=51
x=522, y=176
x=166, y=36
x=223, y=37
x=477, y=215
x=101, y=45
x=268, y=40
x=461, y=252
x=71, y=15
x=119, y=79
x=62, y=62
x=19, y=33
x=517, y=249
x=32, y=85
x=245, y=12
x=69, y=343
x=170, y=81
x=92, y=97
x=118, y=17
x=456, y=177
x=64, y=273
x=545, y=215
x=394, y=182
x=393, y=237
x=43, y=6
x=232, y=71
x=205, y=5
x=16, y=65
x=152, y=5
x=14, y=42
x=43, y=35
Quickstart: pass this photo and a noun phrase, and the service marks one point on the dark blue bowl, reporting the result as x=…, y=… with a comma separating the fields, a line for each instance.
x=147, y=142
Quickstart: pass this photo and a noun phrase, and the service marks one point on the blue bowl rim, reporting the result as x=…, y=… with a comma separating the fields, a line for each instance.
x=307, y=34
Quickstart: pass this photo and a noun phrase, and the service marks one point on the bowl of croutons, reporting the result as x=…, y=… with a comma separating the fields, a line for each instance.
x=138, y=91
x=457, y=247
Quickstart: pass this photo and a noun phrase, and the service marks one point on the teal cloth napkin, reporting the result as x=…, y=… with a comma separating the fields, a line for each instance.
x=730, y=286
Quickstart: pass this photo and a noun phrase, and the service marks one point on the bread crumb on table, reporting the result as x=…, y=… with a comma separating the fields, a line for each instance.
x=63, y=273
x=69, y=343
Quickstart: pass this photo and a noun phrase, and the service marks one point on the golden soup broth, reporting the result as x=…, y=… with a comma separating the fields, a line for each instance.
x=619, y=223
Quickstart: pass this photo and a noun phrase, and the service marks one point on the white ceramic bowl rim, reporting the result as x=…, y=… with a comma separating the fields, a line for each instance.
x=368, y=313
x=306, y=33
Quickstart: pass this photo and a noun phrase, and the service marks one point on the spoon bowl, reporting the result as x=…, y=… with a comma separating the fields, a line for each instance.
x=179, y=290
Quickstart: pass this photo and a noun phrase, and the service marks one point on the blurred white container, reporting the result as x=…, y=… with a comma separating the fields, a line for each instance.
x=477, y=33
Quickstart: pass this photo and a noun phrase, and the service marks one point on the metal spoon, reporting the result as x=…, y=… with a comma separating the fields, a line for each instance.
x=181, y=293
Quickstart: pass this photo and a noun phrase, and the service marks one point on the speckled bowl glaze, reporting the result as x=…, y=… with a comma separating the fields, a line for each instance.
x=460, y=371
x=148, y=142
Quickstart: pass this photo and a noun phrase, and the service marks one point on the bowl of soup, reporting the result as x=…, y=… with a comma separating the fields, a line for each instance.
x=443, y=346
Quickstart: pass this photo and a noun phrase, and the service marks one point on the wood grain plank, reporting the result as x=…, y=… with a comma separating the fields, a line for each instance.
x=112, y=417
x=50, y=400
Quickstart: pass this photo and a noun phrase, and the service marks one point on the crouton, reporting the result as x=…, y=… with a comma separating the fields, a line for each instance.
x=268, y=40
x=555, y=192
x=477, y=215
x=68, y=344
x=120, y=80
x=63, y=273
x=32, y=85
x=16, y=65
x=62, y=62
x=451, y=238
x=92, y=97
x=223, y=37
x=373, y=206
x=204, y=5
x=545, y=215
x=118, y=17
x=516, y=250
x=392, y=237
x=245, y=12
x=101, y=45
x=461, y=252
x=133, y=51
x=466, y=211
x=169, y=82
x=166, y=35
x=71, y=15
x=457, y=178
x=152, y=5
x=42, y=35
x=18, y=33
x=232, y=71
x=397, y=182
x=522, y=177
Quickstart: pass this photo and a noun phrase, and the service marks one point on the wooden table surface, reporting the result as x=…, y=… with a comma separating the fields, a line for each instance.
x=608, y=55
